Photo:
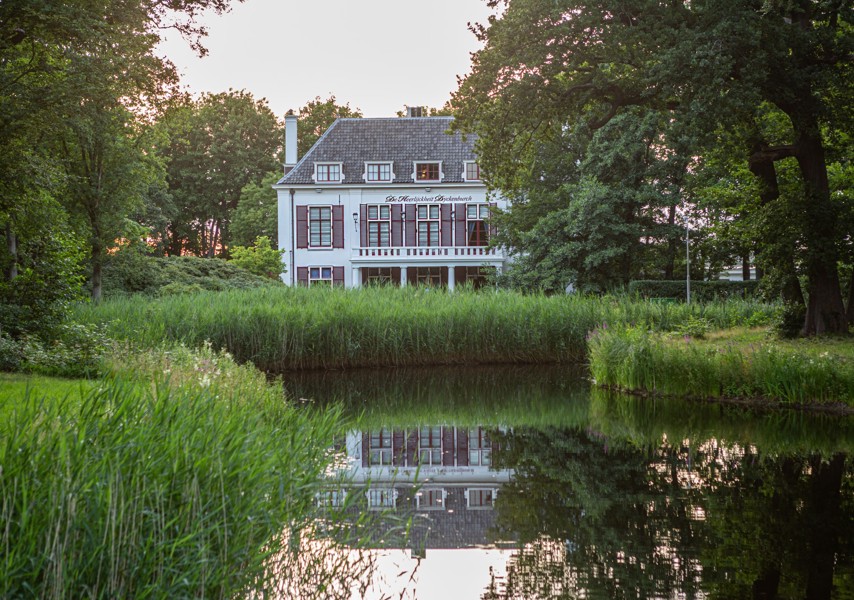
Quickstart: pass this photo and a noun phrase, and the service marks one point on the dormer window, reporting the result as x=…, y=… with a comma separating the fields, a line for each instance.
x=471, y=171
x=327, y=173
x=378, y=172
x=428, y=171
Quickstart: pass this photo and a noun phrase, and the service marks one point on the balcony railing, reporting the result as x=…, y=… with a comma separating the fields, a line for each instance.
x=427, y=252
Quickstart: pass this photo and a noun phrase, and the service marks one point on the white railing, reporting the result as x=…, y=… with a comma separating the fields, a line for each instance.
x=431, y=251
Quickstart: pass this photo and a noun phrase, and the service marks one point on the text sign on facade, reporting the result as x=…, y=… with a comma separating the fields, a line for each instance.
x=440, y=198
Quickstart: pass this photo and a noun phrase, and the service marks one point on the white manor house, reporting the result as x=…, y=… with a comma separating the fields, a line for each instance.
x=389, y=200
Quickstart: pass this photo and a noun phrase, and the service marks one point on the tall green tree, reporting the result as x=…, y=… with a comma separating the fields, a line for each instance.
x=710, y=65
x=216, y=146
x=257, y=212
x=316, y=117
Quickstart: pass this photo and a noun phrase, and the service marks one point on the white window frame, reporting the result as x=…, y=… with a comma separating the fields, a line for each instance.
x=381, y=498
x=331, y=498
x=480, y=490
x=319, y=220
x=427, y=162
x=326, y=165
x=480, y=453
x=320, y=278
x=433, y=451
x=482, y=210
x=466, y=164
x=431, y=490
x=379, y=220
x=383, y=450
x=379, y=164
x=428, y=219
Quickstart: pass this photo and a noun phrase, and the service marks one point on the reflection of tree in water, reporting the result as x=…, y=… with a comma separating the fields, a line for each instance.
x=599, y=519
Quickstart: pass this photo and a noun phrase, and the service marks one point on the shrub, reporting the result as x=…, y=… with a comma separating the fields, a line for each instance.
x=701, y=291
x=11, y=353
x=260, y=259
x=788, y=320
x=76, y=352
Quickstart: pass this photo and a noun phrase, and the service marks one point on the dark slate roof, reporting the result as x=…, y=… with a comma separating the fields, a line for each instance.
x=354, y=142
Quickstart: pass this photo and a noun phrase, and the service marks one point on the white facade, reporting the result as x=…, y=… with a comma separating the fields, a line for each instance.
x=357, y=207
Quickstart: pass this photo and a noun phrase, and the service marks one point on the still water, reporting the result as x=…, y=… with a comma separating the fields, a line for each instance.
x=515, y=482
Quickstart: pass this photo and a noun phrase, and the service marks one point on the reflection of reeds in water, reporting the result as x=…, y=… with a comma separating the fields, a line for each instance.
x=281, y=329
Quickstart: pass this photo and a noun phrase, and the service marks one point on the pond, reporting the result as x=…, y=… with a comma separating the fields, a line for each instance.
x=513, y=482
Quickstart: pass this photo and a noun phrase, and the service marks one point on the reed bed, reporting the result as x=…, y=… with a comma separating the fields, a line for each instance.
x=283, y=329
x=634, y=358
x=181, y=475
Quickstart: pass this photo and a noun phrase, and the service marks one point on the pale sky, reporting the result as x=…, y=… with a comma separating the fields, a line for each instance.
x=375, y=55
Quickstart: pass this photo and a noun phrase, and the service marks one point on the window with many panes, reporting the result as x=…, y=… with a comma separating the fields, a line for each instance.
x=380, y=448
x=327, y=173
x=428, y=225
x=430, y=498
x=480, y=497
x=375, y=172
x=320, y=226
x=379, y=225
x=378, y=276
x=430, y=446
x=320, y=276
x=472, y=172
x=429, y=276
x=381, y=497
x=427, y=171
x=331, y=498
x=480, y=448
x=477, y=233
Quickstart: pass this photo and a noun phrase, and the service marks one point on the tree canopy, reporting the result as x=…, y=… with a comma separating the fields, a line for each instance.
x=558, y=70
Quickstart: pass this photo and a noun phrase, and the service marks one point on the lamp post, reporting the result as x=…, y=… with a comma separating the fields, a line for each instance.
x=687, y=261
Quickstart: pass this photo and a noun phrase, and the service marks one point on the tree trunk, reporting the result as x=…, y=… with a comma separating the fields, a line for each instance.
x=825, y=309
x=97, y=259
x=850, y=312
x=824, y=524
x=12, y=248
x=745, y=267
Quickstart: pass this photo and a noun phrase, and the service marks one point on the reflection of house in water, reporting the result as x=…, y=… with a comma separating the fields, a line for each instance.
x=440, y=476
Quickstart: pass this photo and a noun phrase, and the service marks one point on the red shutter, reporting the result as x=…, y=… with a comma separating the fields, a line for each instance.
x=338, y=276
x=338, y=226
x=366, y=447
x=411, y=447
x=302, y=227
x=448, y=453
x=396, y=225
x=302, y=275
x=446, y=228
x=363, y=225
x=462, y=448
x=398, y=447
x=411, y=233
x=460, y=224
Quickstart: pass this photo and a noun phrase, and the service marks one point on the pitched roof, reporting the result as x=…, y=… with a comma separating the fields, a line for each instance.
x=354, y=142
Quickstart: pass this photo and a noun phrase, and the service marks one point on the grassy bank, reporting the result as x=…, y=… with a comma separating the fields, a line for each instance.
x=281, y=329
x=735, y=364
x=179, y=475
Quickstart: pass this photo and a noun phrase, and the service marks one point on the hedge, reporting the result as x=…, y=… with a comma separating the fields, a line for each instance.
x=700, y=290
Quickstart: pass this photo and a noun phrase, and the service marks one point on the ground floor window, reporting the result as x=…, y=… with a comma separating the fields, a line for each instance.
x=380, y=448
x=331, y=498
x=475, y=277
x=480, y=448
x=430, y=446
x=320, y=276
x=381, y=276
x=430, y=276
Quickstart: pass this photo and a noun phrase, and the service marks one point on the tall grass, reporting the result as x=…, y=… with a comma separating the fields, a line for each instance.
x=636, y=359
x=298, y=328
x=181, y=481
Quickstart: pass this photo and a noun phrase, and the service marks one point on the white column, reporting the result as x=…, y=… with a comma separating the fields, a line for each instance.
x=451, y=278
x=402, y=276
x=357, y=277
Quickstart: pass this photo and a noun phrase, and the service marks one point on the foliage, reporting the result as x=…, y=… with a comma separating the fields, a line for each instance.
x=187, y=476
x=316, y=117
x=76, y=351
x=636, y=359
x=257, y=212
x=130, y=272
x=260, y=259
x=47, y=263
x=585, y=65
x=280, y=328
x=788, y=320
x=702, y=291
x=215, y=146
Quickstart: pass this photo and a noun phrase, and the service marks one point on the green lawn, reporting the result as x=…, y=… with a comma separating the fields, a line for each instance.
x=16, y=385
